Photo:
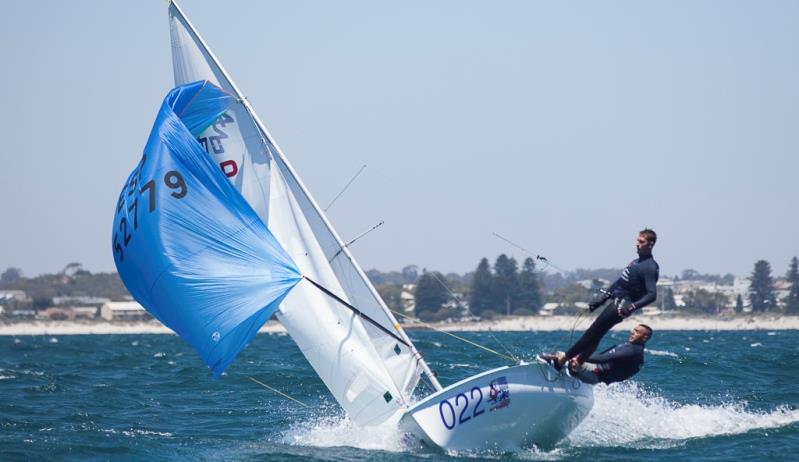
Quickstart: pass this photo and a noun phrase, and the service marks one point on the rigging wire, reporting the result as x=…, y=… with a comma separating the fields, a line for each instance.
x=277, y=391
x=352, y=241
x=548, y=264
x=458, y=301
x=475, y=344
x=345, y=187
x=532, y=254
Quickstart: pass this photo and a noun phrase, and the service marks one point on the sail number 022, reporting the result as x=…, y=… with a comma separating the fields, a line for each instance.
x=450, y=418
x=172, y=179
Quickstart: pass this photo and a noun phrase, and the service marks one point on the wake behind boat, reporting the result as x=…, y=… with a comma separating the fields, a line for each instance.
x=214, y=232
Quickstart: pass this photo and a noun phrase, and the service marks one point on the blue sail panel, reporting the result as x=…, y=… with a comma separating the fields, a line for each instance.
x=187, y=245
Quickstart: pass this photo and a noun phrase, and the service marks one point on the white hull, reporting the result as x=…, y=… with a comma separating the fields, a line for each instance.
x=505, y=409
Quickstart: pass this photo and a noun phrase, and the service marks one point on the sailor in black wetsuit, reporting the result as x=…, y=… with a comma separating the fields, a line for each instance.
x=635, y=289
x=617, y=363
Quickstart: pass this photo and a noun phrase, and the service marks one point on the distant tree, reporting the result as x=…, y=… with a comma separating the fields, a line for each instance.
x=11, y=275
x=390, y=293
x=41, y=302
x=569, y=296
x=739, y=304
x=72, y=268
x=761, y=289
x=703, y=301
x=792, y=299
x=506, y=283
x=480, y=297
x=728, y=279
x=668, y=299
x=410, y=274
x=529, y=291
x=690, y=274
x=430, y=294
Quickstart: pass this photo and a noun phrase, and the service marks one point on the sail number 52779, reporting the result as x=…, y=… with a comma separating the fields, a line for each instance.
x=123, y=235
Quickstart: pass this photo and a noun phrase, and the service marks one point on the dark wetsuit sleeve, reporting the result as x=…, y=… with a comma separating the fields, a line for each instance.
x=614, y=285
x=622, y=353
x=650, y=281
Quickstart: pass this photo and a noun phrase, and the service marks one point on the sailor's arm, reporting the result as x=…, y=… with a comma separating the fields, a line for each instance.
x=650, y=282
x=622, y=353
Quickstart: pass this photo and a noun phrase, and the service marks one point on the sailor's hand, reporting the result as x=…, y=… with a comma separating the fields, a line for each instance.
x=597, y=302
x=624, y=308
x=594, y=305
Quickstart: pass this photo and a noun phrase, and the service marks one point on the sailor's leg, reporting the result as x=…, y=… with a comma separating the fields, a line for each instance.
x=585, y=354
x=590, y=339
x=587, y=372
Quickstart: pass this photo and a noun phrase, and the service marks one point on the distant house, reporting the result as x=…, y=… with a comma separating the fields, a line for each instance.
x=548, y=309
x=123, y=311
x=68, y=313
x=408, y=299
x=8, y=297
x=22, y=314
x=80, y=300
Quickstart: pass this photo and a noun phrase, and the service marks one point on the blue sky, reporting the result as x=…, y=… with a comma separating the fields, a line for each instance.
x=564, y=126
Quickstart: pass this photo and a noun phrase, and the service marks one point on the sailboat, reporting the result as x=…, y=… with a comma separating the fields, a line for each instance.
x=215, y=232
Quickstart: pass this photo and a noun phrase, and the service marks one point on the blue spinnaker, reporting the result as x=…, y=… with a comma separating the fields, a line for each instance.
x=187, y=245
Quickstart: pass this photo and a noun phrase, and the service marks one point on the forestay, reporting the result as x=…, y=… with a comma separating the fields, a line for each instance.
x=369, y=372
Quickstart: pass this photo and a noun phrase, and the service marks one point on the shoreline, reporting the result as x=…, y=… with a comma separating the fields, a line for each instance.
x=519, y=324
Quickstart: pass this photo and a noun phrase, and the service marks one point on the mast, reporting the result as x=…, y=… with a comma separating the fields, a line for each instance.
x=344, y=250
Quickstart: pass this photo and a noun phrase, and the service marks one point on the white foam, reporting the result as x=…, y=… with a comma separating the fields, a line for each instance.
x=340, y=431
x=133, y=432
x=662, y=353
x=626, y=415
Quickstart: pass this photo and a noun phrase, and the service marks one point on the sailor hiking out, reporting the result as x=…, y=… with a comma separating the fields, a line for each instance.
x=617, y=363
x=635, y=288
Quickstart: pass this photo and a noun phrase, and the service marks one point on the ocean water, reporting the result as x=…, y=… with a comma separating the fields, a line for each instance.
x=701, y=396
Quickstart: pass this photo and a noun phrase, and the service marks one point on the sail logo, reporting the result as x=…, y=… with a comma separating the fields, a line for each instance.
x=625, y=275
x=498, y=393
x=213, y=143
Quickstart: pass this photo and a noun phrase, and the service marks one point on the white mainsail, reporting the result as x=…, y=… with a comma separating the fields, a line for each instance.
x=370, y=372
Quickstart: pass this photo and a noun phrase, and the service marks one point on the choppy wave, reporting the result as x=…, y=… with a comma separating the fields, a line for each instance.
x=626, y=415
x=662, y=353
x=340, y=431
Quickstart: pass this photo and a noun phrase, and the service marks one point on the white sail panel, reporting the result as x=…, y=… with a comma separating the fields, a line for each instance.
x=368, y=361
x=234, y=141
x=399, y=360
x=331, y=337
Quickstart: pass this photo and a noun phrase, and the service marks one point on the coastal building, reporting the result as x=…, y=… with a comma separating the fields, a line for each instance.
x=548, y=309
x=408, y=299
x=80, y=300
x=68, y=313
x=9, y=297
x=22, y=314
x=123, y=311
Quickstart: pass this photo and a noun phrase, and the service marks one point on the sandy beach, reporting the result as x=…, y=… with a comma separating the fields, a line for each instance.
x=538, y=323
